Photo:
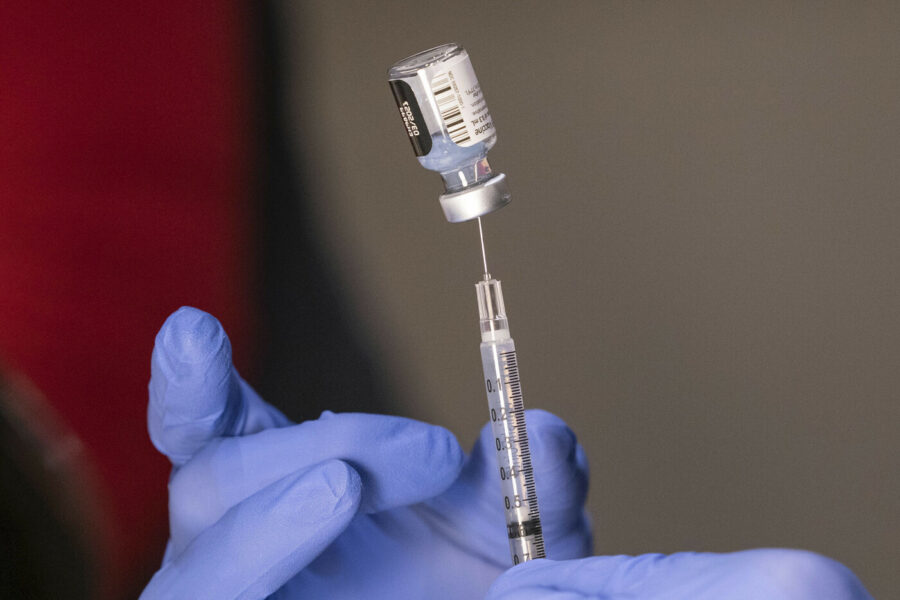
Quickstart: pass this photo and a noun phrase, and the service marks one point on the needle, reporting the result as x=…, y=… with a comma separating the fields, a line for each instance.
x=487, y=275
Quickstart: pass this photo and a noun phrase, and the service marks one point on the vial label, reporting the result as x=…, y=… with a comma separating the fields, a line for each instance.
x=461, y=104
x=418, y=133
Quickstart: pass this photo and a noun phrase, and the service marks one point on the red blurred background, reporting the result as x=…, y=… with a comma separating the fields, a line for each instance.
x=125, y=165
x=145, y=165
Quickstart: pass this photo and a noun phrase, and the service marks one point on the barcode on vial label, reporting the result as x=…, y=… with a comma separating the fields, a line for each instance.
x=449, y=106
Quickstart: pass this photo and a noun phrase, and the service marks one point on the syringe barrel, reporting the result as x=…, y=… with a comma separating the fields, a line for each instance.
x=516, y=475
x=507, y=416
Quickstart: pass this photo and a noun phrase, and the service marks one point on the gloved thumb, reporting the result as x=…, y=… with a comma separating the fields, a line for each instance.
x=561, y=478
x=195, y=392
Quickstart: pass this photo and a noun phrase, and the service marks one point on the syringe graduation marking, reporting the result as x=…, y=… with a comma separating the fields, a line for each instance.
x=514, y=392
x=516, y=474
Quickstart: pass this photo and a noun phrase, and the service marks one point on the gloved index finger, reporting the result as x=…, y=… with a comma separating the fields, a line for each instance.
x=195, y=392
x=400, y=462
x=265, y=540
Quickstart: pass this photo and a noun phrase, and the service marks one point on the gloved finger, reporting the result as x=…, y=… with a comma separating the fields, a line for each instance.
x=400, y=462
x=261, y=543
x=561, y=478
x=542, y=594
x=561, y=481
x=748, y=575
x=195, y=392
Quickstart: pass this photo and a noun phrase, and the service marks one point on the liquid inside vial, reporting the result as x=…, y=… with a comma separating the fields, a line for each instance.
x=438, y=87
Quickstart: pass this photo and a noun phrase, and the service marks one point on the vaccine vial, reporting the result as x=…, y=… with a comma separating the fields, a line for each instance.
x=450, y=128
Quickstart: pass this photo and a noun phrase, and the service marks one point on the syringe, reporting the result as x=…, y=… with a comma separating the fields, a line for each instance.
x=446, y=119
x=507, y=414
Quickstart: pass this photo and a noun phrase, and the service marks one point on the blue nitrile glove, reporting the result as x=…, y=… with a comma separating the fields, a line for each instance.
x=347, y=506
x=749, y=575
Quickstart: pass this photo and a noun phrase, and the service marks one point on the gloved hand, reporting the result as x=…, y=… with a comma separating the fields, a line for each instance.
x=347, y=506
x=748, y=575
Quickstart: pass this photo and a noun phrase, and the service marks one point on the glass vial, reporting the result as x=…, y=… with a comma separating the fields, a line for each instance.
x=448, y=123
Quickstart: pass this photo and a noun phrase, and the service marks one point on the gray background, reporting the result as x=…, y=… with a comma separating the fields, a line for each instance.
x=700, y=260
